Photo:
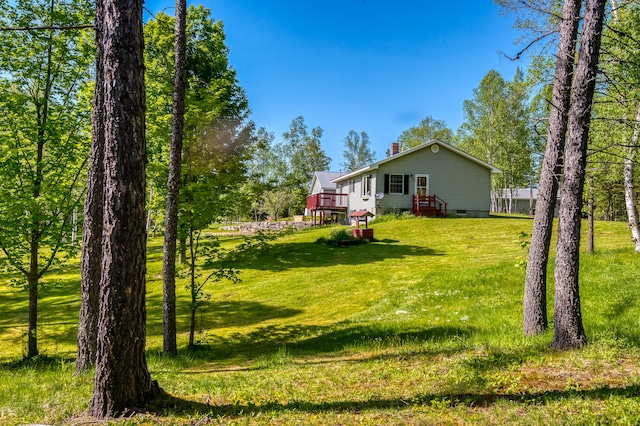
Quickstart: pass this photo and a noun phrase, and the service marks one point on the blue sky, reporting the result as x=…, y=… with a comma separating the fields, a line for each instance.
x=367, y=65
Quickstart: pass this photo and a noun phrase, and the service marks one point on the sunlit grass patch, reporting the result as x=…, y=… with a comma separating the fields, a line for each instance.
x=421, y=326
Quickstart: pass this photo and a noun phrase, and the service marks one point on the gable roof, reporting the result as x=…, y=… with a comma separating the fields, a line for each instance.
x=325, y=179
x=374, y=166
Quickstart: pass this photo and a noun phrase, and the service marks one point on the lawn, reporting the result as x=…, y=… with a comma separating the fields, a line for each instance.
x=422, y=326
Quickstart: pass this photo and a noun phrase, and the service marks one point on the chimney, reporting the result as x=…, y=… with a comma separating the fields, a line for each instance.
x=395, y=148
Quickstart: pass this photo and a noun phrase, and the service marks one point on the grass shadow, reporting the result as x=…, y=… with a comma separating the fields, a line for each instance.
x=311, y=341
x=170, y=404
x=223, y=313
x=291, y=255
x=40, y=362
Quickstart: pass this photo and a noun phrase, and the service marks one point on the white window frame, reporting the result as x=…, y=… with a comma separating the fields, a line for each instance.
x=366, y=186
x=392, y=184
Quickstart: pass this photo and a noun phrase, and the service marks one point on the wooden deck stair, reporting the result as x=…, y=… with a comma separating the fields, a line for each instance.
x=429, y=205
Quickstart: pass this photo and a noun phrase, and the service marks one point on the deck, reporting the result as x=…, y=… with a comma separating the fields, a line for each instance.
x=429, y=205
x=327, y=207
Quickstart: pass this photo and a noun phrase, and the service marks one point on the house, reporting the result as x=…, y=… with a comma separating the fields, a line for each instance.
x=522, y=201
x=323, y=202
x=433, y=178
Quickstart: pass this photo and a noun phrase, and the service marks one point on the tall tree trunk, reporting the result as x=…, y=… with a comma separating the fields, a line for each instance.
x=32, y=279
x=173, y=184
x=629, y=195
x=629, y=160
x=193, y=288
x=42, y=107
x=91, y=261
x=590, y=230
x=122, y=380
x=182, y=255
x=568, y=328
x=535, y=290
x=34, y=245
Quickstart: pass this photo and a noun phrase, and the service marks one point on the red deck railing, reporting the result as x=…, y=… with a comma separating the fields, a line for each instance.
x=327, y=200
x=429, y=205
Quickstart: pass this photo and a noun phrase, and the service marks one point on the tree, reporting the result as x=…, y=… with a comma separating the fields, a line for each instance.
x=214, y=100
x=277, y=201
x=357, y=153
x=43, y=140
x=427, y=130
x=306, y=157
x=173, y=185
x=122, y=380
x=568, y=328
x=265, y=166
x=496, y=130
x=629, y=187
x=220, y=264
x=91, y=257
x=620, y=101
x=214, y=171
x=535, y=293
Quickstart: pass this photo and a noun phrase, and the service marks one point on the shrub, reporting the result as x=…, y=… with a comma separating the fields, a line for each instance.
x=391, y=217
x=341, y=237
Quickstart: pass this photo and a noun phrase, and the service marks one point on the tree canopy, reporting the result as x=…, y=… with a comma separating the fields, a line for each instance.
x=428, y=129
x=357, y=152
x=496, y=129
x=45, y=108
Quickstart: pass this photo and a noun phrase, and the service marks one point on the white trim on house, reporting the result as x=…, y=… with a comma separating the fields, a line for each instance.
x=366, y=186
x=374, y=166
x=323, y=182
x=417, y=185
x=396, y=186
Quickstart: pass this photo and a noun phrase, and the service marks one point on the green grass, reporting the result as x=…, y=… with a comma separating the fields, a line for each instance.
x=421, y=326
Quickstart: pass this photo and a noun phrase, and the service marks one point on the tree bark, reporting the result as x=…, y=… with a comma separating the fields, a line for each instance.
x=535, y=291
x=193, y=288
x=568, y=328
x=91, y=260
x=32, y=338
x=122, y=380
x=182, y=255
x=173, y=184
x=629, y=195
x=34, y=245
x=629, y=160
x=590, y=230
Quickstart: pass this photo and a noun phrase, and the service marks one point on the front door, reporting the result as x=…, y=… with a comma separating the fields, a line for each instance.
x=422, y=184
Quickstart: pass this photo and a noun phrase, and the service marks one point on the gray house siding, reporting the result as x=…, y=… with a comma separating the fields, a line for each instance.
x=463, y=184
x=322, y=182
x=316, y=188
x=358, y=201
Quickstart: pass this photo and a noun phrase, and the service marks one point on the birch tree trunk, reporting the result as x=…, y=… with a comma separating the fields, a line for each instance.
x=568, y=328
x=629, y=195
x=629, y=160
x=535, y=290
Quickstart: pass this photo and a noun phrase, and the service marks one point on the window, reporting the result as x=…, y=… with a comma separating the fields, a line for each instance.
x=352, y=185
x=366, y=186
x=396, y=184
